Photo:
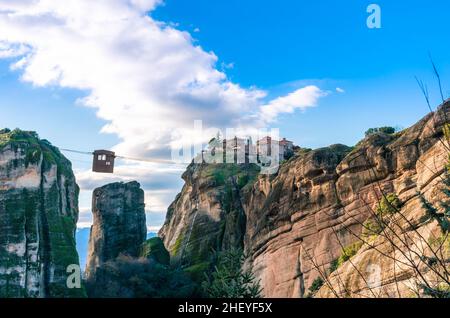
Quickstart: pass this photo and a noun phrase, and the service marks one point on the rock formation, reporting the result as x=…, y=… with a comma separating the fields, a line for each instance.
x=119, y=224
x=208, y=214
x=121, y=263
x=38, y=216
x=310, y=210
x=413, y=167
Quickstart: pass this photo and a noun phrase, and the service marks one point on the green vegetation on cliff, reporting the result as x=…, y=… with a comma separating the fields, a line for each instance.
x=194, y=246
x=154, y=249
x=244, y=174
x=229, y=279
x=128, y=277
x=149, y=275
x=33, y=149
x=315, y=286
x=384, y=130
x=389, y=204
x=37, y=218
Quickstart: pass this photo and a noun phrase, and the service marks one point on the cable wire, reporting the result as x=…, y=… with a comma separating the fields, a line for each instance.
x=77, y=151
x=150, y=160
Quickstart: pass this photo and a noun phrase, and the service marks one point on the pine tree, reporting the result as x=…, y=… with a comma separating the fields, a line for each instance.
x=230, y=280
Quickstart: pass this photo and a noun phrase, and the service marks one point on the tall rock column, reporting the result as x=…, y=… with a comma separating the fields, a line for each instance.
x=119, y=224
x=38, y=216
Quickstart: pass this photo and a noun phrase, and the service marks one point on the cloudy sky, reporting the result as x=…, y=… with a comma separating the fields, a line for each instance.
x=134, y=75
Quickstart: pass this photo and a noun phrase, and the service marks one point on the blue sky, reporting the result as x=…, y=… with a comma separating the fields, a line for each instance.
x=274, y=46
x=245, y=53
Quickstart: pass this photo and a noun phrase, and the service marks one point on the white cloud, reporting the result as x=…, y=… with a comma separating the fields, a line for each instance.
x=153, y=229
x=84, y=217
x=300, y=99
x=151, y=176
x=144, y=77
x=157, y=201
x=340, y=90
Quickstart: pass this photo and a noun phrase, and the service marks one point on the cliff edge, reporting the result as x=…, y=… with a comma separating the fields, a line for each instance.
x=38, y=216
x=295, y=225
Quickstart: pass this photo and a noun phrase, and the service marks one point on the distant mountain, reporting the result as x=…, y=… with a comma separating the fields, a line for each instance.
x=82, y=237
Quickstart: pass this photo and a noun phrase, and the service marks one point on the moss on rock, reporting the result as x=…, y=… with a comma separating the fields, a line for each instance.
x=37, y=218
x=154, y=249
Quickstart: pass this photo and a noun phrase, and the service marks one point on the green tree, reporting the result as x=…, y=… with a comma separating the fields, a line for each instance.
x=389, y=204
x=230, y=280
x=385, y=130
x=128, y=277
x=315, y=286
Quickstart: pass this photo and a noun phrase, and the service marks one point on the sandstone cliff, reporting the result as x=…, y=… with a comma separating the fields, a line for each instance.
x=38, y=216
x=296, y=223
x=118, y=224
x=413, y=166
x=208, y=214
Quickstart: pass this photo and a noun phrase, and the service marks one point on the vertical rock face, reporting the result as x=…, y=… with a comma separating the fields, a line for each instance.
x=318, y=201
x=208, y=214
x=119, y=224
x=38, y=216
x=289, y=217
x=314, y=206
x=413, y=166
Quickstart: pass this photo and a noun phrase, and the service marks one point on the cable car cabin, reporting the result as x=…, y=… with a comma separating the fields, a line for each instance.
x=103, y=161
